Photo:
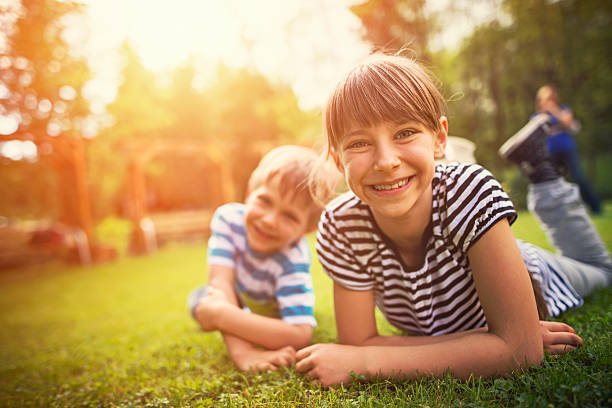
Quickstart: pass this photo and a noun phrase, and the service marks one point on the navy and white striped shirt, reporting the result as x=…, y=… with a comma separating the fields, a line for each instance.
x=439, y=297
x=275, y=285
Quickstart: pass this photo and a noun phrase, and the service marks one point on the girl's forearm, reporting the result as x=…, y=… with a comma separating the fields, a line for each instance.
x=415, y=340
x=264, y=331
x=479, y=353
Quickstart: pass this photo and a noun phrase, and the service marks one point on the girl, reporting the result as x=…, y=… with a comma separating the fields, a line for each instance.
x=430, y=245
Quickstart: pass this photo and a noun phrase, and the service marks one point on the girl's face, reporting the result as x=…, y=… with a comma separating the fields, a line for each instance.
x=390, y=166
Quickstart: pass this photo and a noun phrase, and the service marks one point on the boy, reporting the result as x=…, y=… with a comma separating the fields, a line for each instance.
x=259, y=294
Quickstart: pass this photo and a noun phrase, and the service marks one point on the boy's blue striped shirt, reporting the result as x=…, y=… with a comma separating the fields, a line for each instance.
x=277, y=285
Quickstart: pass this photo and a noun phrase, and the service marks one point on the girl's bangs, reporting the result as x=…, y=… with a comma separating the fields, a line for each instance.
x=369, y=96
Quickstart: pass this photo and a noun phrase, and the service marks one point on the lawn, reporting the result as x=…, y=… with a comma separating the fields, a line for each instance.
x=119, y=335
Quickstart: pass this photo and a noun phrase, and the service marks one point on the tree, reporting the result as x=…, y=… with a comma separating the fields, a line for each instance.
x=396, y=24
x=43, y=83
x=565, y=43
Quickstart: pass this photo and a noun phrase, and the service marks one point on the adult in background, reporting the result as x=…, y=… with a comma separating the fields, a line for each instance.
x=561, y=143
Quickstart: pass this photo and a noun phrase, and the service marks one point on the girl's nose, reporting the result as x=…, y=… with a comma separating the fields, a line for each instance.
x=386, y=158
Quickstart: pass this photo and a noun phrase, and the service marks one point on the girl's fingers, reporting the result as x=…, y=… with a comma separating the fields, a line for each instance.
x=561, y=338
x=557, y=349
x=559, y=327
x=303, y=353
x=304, y=365
x=313, y=374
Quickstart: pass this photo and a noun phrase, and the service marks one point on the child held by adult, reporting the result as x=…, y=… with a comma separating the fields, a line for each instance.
x=259, y=293
x=561, y=143
x=430, y=245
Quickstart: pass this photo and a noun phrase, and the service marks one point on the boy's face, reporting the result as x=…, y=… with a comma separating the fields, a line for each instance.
x=274, y=220
x=390, y=166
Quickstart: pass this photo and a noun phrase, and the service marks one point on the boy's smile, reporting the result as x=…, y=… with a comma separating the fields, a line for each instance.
x=274, y=220
x=390, y=166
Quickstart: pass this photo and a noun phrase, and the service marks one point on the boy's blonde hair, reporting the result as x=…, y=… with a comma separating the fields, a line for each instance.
x=382, y=88
x=295, y=165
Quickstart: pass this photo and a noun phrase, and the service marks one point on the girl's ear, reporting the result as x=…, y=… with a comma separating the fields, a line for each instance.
x=441, y=138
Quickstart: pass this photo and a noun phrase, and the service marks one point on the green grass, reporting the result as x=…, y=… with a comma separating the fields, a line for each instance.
x=119, y=335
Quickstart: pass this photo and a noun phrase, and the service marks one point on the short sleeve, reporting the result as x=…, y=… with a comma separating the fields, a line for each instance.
x=336, y=253
x=475, y=201
x=294, y=288
x=221, y=244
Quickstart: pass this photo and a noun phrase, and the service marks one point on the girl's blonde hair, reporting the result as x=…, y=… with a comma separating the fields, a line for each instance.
x=382, y=88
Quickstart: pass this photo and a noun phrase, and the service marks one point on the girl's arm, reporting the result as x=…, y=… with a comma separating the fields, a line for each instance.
x=227, y=317
x=557, y=337
x=363, y=332
x=512, y=341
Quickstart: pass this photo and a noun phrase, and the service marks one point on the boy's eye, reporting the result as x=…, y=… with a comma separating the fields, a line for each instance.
x=291, y=217
x=264, y=200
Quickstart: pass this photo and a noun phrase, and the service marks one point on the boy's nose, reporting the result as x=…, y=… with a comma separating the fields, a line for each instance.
x=386, y=158
x=270, y=218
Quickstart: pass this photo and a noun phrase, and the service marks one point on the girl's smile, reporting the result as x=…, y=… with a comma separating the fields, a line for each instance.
x=393, y=187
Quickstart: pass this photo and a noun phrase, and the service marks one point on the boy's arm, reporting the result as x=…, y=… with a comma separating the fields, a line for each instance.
x=267, y=332
x=513, y=339
x=227, y=317
x=244, y=354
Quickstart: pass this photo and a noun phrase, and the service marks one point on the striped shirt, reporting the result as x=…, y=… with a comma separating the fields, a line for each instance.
x=276, y=285
x=440, y=297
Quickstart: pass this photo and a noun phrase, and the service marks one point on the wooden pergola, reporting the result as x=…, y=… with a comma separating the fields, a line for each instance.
x=148, y=227
x=69, y=161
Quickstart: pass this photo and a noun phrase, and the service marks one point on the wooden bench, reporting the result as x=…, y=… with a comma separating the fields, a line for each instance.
x=181, y=226
x=27, y=244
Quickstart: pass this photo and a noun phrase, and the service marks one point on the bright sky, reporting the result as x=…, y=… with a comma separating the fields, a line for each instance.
x=308, y=44
x=305, y=43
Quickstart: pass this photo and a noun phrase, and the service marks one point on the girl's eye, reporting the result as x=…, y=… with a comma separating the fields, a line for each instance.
x=404, y=134
x=356, y=145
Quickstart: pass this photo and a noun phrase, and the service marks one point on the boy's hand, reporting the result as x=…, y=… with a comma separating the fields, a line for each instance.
x=210, y=307
x=256, y=360
x=558, y=338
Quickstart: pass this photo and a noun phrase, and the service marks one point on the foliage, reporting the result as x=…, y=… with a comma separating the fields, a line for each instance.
x=28, y=189
x=120, y=335
x=183, y=135
x=502, y=65
x=491, y=81
x=43, y=82
x=394, y=25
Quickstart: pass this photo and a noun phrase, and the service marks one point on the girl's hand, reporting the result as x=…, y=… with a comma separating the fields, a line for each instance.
x=558, y=338
x=331, y=364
